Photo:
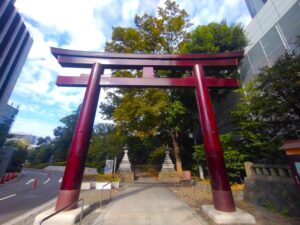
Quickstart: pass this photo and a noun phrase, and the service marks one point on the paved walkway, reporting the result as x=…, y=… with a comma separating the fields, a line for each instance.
x=148, y=203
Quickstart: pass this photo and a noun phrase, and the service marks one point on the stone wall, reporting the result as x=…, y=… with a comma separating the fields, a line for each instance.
x=272, y=186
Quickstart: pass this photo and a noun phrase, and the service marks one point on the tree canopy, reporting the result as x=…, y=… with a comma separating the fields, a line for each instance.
x=269, y=110
x=166, y=115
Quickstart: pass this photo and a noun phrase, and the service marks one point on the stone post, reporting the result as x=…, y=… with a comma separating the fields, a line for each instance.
x=248, y=170
x=168, y=172
x=125, y=167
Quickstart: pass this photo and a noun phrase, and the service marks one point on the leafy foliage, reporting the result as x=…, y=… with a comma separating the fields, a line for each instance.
x=215, y=37
x=151, y=115
x=58, y=147
x=105, y=144
x=234, y=159
x=269, y=110
x=19, y=155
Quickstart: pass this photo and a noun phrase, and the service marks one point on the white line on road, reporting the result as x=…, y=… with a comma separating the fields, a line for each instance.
x=8, y=197
x=47, y=181
x=60, y=180
x=30, y=181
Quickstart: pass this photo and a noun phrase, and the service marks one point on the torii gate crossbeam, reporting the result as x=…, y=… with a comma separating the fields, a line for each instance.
x=70, y=187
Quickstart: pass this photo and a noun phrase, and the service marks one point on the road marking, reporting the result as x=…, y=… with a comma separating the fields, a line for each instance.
x=60, y=180
x=47, y=181
x=30, y=181
x=8, y=197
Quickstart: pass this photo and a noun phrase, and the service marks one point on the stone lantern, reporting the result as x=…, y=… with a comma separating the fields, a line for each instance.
x=168, y=172
x=125, y=167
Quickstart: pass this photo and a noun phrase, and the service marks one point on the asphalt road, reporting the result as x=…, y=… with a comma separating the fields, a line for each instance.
x=21, y=196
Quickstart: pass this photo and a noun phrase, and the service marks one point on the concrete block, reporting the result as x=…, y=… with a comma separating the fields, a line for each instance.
x=64, y=217
x=219, y=217
x=103, y=185
x=86, y=186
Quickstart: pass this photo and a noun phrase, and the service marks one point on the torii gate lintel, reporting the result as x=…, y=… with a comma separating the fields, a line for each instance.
x=70, y=188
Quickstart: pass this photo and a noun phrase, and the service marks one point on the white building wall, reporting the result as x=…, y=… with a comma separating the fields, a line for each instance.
x=266, y=18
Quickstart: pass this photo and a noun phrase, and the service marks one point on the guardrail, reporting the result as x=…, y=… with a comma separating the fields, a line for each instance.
x=57, y=212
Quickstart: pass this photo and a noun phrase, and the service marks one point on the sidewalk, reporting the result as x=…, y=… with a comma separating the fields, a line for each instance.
x=148, y=203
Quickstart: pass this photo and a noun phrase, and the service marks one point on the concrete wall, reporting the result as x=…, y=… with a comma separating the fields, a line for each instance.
x=272, y=186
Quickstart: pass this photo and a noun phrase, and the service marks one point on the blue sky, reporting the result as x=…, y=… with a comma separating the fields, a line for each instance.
x=84, y=25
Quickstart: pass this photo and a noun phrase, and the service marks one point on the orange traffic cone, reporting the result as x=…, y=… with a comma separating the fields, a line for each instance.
x=2, y=179
x=35, y=182
x=12, y=176
x=7, y=177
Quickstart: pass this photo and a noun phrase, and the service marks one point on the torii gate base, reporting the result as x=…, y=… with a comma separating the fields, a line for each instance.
x=70, y=187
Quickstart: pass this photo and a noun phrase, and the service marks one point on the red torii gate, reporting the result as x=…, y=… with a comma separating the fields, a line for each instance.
x=70, y=187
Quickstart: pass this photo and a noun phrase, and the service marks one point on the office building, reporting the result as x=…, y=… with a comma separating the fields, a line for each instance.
x=15, y=43
x=254, y=6
x=274, y=29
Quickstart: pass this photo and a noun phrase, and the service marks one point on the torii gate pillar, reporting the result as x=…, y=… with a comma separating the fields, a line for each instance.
x=221, y=192
x=71, y=183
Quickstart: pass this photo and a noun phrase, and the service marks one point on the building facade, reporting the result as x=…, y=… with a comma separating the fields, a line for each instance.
x=254, y=6
x=15, y=43
x=274, y=29
x=9, y=114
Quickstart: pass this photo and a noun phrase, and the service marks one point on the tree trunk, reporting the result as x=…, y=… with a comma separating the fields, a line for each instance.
x=177, y=153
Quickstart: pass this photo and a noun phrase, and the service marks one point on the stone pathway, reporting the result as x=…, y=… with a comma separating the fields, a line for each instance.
x=148, y=203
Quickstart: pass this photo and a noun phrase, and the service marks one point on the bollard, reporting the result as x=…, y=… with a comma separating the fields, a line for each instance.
x=7, y=177
x=2, y=180
x=12, y=175
x=35, y=182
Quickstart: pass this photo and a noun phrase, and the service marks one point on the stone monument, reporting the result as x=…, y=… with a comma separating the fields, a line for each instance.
x=125, y=167
x=168, y=172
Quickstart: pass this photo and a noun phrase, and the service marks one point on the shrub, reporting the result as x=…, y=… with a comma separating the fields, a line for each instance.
x=89, y=177
x=63, y=163
x=107, y=178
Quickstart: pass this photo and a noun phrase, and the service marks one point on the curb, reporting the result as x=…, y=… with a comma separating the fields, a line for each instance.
x=29, y=213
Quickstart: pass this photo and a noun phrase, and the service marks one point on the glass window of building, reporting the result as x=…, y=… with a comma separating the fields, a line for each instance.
x=290, y=26
x=257, y=58
x=273, y=45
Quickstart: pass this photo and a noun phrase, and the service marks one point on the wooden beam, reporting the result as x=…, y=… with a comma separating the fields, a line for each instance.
x=212, y=82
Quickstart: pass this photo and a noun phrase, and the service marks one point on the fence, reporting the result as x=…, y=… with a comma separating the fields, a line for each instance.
x=268, y=171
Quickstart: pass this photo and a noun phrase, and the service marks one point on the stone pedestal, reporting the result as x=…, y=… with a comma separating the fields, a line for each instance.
x=125, y=172
x=237, y=217
x=168, y=172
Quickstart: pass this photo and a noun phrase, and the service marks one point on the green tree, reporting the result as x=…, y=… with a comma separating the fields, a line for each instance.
x=59, y=146
x=176, y=111
x=234, y=159
x=19, y=155
x=269, y=110
x=63, y=136
x=140, y=111
x=106, y=143
x=215, y=37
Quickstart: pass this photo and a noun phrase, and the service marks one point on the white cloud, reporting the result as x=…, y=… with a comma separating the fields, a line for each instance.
x=203, y=12
x=85, y=25
x=33, y=126
x=73, y=16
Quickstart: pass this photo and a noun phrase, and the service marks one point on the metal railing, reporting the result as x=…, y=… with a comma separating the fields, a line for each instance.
x=182, y=185
x=102, y=191
x=57, y=212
